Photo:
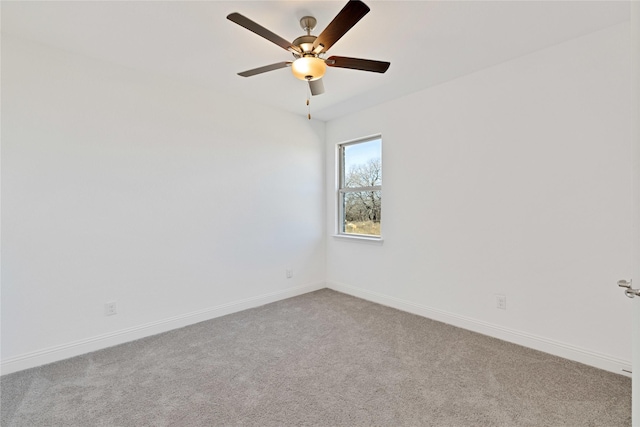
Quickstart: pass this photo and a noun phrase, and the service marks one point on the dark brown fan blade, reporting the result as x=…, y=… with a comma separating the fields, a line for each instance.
x=316, y=87
x=264, y=69
x=344, y=20
x=358, y=64
x=247, y=23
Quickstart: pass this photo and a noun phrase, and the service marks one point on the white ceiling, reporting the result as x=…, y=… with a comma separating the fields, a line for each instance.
x=427, y=42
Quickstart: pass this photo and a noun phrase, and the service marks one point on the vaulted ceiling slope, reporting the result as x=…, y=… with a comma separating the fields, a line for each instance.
x=427, y=42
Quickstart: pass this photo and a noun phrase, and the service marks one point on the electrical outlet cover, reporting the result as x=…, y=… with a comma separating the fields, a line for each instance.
x=501, y=302
x=110, y=308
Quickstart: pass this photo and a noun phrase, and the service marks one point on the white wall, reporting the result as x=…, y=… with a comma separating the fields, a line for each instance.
x=176, y=202
x=515, y=180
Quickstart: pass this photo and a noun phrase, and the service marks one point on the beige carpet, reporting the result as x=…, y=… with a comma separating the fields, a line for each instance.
x=321, y=359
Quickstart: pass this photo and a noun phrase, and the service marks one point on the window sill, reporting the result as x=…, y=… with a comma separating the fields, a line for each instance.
x=354, y=237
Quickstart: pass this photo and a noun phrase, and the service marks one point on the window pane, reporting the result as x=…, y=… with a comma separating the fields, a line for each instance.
x=362, y=213
x=362, y=165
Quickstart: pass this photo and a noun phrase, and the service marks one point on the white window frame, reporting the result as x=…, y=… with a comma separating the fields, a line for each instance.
x=341, y=189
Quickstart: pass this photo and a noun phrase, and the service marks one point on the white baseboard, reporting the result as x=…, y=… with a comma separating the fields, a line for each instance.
x=65, y=351
x=556, y=348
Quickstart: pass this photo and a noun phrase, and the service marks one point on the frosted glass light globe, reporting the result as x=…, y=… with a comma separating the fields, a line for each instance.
x=308, y=68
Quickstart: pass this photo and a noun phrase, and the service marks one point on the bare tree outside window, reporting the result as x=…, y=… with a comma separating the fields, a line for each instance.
x=360, y=192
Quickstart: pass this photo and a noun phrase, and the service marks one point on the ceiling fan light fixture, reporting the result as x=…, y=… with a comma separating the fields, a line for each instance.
x=308, y=68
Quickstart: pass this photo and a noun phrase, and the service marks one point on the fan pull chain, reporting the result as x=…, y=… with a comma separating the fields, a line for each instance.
x=308, y=106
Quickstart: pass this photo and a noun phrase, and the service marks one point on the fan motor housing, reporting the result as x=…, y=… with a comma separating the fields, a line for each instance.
x=305, y=43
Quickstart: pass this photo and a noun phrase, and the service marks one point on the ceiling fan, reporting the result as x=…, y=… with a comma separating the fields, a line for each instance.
x=308, y=50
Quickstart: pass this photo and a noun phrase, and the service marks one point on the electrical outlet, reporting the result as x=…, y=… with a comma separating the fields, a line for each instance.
x=289, y=273
x=110, y=308
x=501, y=302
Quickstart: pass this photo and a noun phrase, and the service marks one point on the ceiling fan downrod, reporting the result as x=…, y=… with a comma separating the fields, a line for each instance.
x=308, y=23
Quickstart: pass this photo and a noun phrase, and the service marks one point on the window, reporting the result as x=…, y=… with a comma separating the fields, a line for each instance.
x=360, y=187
